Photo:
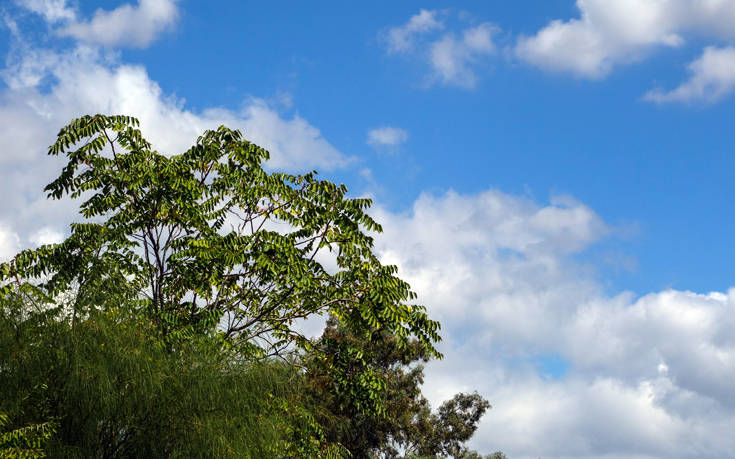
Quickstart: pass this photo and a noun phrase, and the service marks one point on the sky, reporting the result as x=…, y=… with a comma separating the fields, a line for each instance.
x=554, y=179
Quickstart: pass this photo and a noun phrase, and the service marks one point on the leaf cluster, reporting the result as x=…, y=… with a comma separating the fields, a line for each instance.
x=25, y=442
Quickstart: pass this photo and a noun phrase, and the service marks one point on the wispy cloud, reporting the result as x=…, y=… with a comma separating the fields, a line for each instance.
x=53, y=11
x=712, y=78
x=387, y=136
x=402, y=38
x=452, y=55
x=133, y=26
x=453, y=59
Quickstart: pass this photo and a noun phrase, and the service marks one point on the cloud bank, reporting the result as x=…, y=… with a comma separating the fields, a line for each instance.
x=642, y=377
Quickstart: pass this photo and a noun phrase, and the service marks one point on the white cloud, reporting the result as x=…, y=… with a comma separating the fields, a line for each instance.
x=607, y=33
x=611, y=33
x=387, y=136
x=401, y=39
x=53, y=11
x=712, y=78
x=498, y=271
x=46, y=235
x=9, y=243
x=452, y=59
x=452, y=56
x=127, y=25
x=85, y=81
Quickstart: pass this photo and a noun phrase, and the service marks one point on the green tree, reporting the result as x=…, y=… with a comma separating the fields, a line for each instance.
x=187, y=270
x=208, y=243
x=113, y=389
x=445, y=432
x=406, y=422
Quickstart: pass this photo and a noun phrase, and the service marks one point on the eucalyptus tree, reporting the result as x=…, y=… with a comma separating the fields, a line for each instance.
x=407, y=427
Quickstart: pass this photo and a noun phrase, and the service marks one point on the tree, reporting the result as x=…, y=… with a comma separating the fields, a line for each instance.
x=476, y=455
x=112, y=389
x=406, y=422
x=209, y=243
x=159, y=226
x=444, y=433
x=185, y=271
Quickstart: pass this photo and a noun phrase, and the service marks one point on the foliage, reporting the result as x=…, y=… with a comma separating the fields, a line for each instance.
x=115, y=390
x=155, y=324
x=475, y=455
x=406, y=421
x=208, y=242
x=454, y=423
x=23, y=442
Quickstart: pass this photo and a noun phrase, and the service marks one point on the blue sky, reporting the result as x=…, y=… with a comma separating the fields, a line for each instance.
x=555, y=177
x=662, y=169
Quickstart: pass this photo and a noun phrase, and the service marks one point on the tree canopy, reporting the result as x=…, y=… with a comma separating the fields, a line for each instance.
x=167, y=323
x=208, y=241
x=109, y=388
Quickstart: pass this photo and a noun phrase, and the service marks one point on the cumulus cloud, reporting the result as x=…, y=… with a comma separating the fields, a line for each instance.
x=387, y=136
x=712, y=78
x=605, y=35
x=402, y=38
x=126, y=25
x=647, y=377
x=452, y=56
x=509, y=243
x=608, y=34
x=86, y=83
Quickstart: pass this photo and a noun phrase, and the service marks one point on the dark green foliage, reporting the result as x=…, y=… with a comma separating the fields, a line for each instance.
x=405, y=421
x=115, y=390
x=445, y=432
x=476, y=455
x=344, y=363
